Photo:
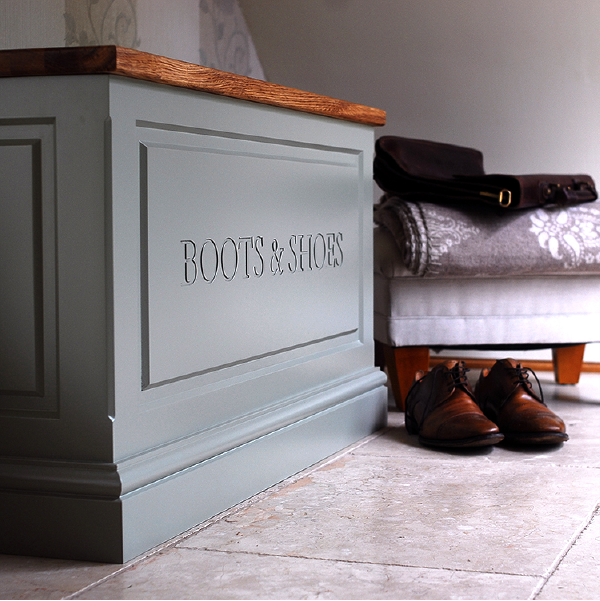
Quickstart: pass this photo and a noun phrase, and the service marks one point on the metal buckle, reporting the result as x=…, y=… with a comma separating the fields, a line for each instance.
x=505, y=198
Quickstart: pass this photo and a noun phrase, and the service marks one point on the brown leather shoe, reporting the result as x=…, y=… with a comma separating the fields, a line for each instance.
x=441, y=409
x=506, y=396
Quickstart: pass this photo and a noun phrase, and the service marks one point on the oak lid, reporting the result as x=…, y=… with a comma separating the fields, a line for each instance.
x=115, y=60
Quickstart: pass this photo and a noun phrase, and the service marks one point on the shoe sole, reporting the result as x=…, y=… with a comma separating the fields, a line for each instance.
x=536, y=438
x=475, y=441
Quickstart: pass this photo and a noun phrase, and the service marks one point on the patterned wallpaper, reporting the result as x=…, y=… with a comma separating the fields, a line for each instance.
x=95, y=22
x=222, y=39
x=225, y=41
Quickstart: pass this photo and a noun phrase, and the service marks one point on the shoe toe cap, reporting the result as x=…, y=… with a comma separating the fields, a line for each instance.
x=530, y=418
x=466, y=426
x=458, y=426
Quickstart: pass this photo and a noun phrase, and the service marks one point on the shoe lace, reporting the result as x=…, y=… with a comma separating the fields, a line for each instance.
x=457, y=378
x=459, y=375
x=521, y=376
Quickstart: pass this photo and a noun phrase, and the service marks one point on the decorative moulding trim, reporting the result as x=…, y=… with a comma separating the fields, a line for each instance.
x=41, y=393
x=156, y=464
x=115, y=60
x=46, y=476
x=110, y=481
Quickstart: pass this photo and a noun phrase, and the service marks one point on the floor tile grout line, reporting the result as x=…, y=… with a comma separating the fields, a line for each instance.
x=118, y=571
x=358, y=562
x=232, y=510
x=564, y=552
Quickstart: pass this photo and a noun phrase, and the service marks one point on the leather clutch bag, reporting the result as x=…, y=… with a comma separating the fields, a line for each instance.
x=445, y=173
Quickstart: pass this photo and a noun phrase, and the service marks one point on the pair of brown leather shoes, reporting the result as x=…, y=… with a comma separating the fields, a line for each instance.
x=443, y=410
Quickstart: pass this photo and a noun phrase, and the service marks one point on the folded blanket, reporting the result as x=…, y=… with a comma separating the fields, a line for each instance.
x=439, y=240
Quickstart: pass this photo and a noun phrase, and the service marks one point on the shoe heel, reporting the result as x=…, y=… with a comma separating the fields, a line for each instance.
x=410, y=424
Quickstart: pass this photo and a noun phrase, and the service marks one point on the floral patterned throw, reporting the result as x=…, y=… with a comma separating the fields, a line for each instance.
x=442, y=240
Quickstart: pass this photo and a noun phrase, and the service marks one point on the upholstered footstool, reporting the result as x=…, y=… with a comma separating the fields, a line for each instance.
x=417, y=309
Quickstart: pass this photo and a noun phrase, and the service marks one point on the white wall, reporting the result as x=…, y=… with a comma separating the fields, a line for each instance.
x=518, y=79
x=31, y=23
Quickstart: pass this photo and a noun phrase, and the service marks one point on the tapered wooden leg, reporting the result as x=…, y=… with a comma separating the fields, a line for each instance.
x=402, y=363
x=567, y=363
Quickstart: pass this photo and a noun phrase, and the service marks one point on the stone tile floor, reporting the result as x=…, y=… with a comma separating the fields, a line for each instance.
x=383, y=519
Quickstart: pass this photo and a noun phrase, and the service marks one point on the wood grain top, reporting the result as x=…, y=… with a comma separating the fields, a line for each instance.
x=149, y=67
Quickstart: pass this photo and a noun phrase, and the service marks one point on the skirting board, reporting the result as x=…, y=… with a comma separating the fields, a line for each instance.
x=535, y=364
x=117, y=531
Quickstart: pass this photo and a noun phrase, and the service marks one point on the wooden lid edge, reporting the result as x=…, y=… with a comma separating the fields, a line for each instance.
x=58, y=61
x=158, y=69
